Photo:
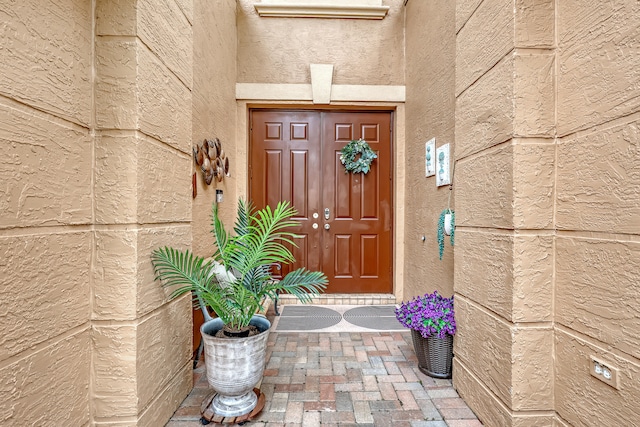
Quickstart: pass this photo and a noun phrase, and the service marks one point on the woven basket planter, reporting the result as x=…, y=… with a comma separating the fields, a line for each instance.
x=434, y=354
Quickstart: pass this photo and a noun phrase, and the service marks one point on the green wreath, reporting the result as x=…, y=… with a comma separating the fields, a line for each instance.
x=357, y=156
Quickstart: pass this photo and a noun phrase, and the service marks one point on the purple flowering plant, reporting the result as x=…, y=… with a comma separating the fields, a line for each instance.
x=430, y=314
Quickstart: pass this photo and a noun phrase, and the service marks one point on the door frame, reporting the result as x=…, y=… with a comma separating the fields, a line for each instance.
x=321, y=136
x=397, y=148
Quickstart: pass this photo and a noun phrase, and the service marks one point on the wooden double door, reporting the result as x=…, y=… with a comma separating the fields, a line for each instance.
x=344, y=220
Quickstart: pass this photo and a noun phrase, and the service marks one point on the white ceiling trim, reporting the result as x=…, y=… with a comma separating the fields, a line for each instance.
x=353, y=9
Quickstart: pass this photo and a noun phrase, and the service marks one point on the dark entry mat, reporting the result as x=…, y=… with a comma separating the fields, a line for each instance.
x=324, y=319
x=307, y=318
x=376, y=317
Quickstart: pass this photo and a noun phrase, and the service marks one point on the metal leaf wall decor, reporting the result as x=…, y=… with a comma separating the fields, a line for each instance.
x=212, y=160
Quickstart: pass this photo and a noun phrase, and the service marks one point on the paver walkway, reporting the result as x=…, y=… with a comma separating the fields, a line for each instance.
x=344, y=379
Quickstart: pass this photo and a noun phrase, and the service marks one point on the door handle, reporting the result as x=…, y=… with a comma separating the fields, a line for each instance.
x=327, y=226
x=327, y=213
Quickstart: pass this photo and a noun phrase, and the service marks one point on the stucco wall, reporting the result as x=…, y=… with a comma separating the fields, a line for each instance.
x=279, y=50
x=95, y=105
x=46, y=203
x=214, y=111
x=547, y=209
x=598, y=210
x=98, y=115
x=430, y=106
x=505, y=175
x=143, y=89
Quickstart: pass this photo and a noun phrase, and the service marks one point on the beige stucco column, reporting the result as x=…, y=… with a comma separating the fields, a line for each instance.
x=505, y=152
x=141, y=366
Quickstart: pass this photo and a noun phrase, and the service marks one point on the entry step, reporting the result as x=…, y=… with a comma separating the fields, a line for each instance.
x=342, y=299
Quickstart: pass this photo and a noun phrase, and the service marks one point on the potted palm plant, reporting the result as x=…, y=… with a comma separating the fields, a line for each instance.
x=234, y=283
x=431, y=319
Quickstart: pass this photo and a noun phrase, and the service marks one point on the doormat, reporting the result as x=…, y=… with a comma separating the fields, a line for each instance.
x=337, y=318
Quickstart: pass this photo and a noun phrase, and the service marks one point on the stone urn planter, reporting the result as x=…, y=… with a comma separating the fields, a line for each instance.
x=234, y=366
x=234, y=284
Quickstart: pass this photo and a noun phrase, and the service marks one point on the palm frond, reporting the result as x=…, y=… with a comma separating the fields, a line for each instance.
x=264, y=243
x=255, y=278
x=219, y=233
x=176, y=268
x=185, y=272
x=260, y=240
x=302, y=283
x=243, y=220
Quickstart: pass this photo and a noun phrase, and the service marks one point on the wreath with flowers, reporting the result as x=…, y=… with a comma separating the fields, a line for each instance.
x=357, y=156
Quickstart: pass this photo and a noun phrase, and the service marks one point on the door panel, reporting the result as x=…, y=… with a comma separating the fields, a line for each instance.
x=285, y=165
x=295, y=156
x=360, y=205
x=273, y=176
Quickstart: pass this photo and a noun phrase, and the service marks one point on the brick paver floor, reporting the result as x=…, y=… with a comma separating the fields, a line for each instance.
x=345, y=379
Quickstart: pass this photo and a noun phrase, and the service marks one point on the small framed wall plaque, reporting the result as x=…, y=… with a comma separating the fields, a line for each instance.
x=430, y=157
x=442, y=166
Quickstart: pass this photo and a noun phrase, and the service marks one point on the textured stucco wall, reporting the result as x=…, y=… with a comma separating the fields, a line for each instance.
x=430, y=104
x=546, y=268
x=143, y=93
x=279, y=50
x=598, y=210
x=97, y=129
x=96, y=136
x=45, y=200
x=505, y=176
x=214, y=110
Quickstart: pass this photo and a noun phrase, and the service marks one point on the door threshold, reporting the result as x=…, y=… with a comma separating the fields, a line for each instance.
x=342, y=299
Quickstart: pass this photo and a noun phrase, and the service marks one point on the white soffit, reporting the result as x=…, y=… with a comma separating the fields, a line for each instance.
x=354, y=9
